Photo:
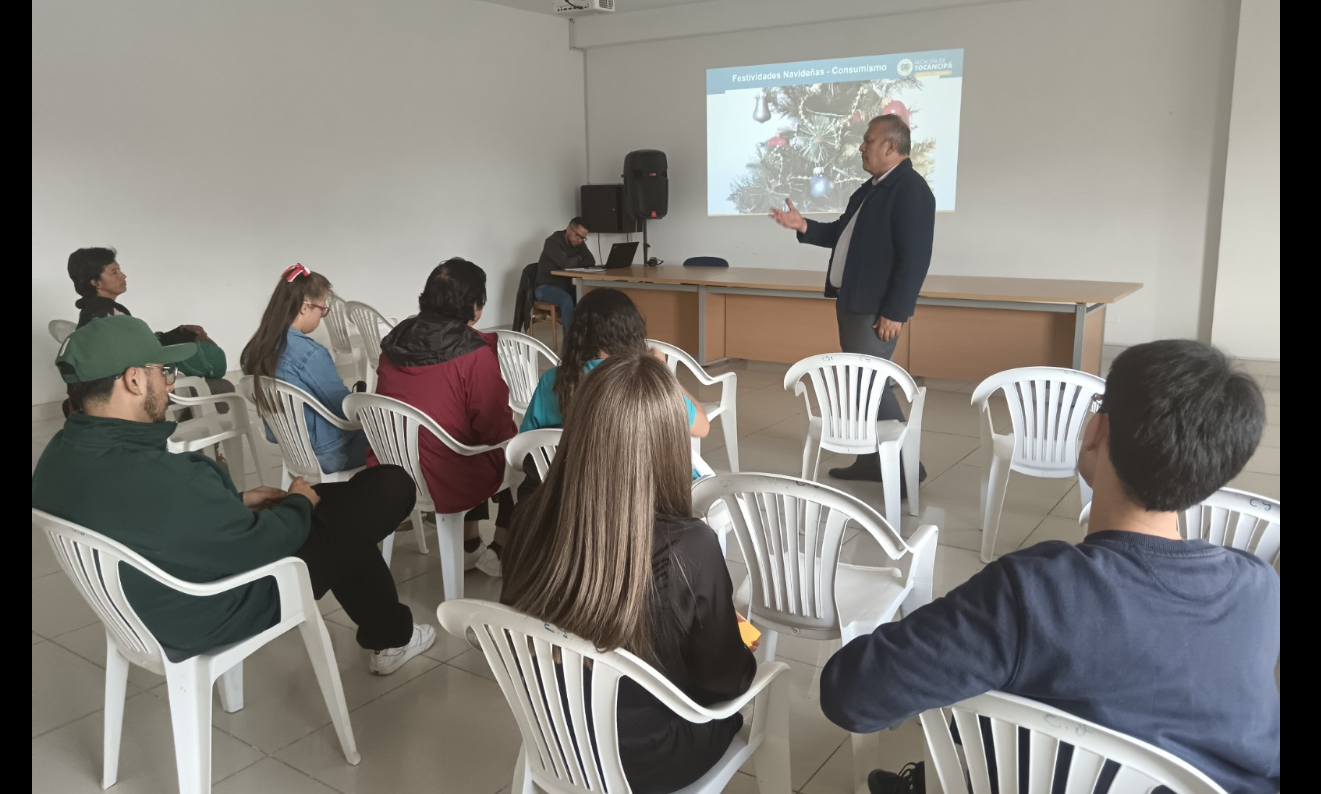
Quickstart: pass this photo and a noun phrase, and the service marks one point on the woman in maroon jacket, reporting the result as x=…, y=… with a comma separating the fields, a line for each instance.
x=438, y=363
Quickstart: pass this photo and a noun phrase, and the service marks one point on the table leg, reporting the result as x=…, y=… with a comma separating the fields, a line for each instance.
x=701, y=325
x=1079, y=326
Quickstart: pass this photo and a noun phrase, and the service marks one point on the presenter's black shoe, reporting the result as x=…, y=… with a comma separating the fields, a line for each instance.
x=868, y=468
x=912, y=779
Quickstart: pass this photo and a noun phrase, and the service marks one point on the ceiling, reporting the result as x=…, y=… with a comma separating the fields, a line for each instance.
x=621, y=6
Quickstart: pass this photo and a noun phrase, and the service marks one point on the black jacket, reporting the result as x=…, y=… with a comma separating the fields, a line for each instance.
x=527, y=287
x=890, y=250
x=557, y=254
x=91, y=307
x=425, y=339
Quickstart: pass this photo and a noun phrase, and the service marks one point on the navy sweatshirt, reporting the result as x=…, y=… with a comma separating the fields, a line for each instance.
x=1169, y=641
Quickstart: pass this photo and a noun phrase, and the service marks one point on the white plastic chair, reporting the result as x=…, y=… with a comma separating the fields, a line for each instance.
x=848, y=388
x=1233, y=518
x=520, y=367
x=540, y=444
x=341, y=336
x=369, y=323
x=790, y=533
x=94, y=562
x=726, y=408
x=1048, y=407
x=555, y=682
x=394, y=430
x=289, y=426
x=228, y=430
x=60, y=329
x=1142, y=767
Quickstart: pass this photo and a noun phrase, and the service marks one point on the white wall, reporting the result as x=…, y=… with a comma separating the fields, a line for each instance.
x=1092, y=137
x=1247, y=290
x=216, y=143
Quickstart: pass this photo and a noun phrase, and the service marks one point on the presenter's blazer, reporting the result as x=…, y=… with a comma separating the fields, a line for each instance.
x=890, y=251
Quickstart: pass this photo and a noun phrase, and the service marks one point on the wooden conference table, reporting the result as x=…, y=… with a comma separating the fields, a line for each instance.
x=964, y=327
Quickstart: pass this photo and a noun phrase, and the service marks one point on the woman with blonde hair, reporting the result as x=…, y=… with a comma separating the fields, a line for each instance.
x=607, y=549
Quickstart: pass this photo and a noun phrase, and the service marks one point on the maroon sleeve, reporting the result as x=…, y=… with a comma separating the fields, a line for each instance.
x=488, y=400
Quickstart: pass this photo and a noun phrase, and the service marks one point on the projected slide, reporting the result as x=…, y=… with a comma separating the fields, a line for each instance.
x=792, y=130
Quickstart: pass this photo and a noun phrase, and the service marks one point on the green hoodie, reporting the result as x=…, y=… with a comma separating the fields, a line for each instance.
x=181, y=512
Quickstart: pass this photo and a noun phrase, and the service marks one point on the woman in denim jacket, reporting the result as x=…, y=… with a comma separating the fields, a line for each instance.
x=283, y=349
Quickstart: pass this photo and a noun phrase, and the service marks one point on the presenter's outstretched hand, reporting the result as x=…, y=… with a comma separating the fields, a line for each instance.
x=887, y=329
x=790, y=218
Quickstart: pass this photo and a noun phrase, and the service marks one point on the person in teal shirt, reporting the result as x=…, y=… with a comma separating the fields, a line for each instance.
x=605, y=323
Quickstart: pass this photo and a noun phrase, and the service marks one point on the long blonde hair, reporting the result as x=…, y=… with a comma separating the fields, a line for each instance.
x=580, y=547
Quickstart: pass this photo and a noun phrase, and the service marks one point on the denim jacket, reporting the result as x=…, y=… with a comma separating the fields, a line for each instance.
x=309, y=366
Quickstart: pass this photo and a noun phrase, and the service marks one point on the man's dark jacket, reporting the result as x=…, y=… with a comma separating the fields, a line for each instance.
x=890, y=250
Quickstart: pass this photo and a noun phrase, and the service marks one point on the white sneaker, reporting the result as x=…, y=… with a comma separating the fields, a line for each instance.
x=471, y=559
x=489, y=564
x=391, y=659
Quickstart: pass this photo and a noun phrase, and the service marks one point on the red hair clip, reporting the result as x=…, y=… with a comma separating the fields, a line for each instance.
x=294, y=271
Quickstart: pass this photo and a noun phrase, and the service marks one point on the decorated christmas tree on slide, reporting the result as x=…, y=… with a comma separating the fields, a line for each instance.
x=812, y=156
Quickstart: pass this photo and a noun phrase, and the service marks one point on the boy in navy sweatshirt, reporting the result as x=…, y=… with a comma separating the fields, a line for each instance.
x=1170, y=641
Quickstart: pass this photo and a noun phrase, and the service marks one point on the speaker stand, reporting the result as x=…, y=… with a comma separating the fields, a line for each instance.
x=646, y=248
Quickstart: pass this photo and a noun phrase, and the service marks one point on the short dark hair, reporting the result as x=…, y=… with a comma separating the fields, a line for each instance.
x=896, y=132
x=90, y=392
x=578, y=220
x=86, y=265
x=1183, y=422
x=453, y=289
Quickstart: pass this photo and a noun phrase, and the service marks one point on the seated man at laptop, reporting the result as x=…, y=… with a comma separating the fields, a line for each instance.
x=566, y=250
x=1170, y=641
x=110, y=470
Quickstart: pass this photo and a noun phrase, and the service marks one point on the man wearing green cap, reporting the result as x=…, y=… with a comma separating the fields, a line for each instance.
x=109, y=470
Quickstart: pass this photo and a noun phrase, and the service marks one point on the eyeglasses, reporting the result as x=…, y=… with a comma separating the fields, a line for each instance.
x=169, y=372
x=324, y=309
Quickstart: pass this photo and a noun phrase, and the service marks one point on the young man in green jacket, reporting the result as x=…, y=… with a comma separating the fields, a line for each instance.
x=109, y=470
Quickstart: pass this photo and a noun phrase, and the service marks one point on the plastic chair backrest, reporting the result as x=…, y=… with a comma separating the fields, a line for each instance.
x=519, y=365
x=563, y=693
x=60, y=329
x=337, y=322
x=393, y=431
x=674, y=356
x=92, y=562
x=790, y=532
x=540, y=444
x=1031, y=760
x=1048, y=407
x=1239, y=520
x=369, y=323
x=848, y=388
x=289, y=422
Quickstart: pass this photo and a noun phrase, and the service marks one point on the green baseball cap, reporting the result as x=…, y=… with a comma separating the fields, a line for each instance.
x=109, y=345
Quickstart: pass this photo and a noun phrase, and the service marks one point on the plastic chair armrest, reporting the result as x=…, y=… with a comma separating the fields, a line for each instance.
x=765, y=674
x=232, y=400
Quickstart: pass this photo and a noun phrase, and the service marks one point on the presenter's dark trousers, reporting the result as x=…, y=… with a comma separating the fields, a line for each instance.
x=856, y=335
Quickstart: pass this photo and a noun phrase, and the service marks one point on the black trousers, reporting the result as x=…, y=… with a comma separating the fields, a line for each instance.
x=341, y=554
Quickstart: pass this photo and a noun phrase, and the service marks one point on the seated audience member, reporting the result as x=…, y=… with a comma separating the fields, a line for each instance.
x=564, y=250
x=438, y=363
x=1170, y=641
x=282, y=348
x=109, y=470
x=98, y=278
x=608, y=549
x=608, y=324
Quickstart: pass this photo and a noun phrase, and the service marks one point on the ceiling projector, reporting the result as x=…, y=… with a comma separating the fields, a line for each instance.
x=578, y=7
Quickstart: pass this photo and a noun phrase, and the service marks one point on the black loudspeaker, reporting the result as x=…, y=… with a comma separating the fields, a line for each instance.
x=603, y=209
x=646, y=184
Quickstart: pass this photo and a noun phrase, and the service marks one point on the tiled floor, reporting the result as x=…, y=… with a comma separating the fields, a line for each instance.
x=440, y=724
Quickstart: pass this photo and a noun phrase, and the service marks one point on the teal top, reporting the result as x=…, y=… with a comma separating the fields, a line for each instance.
x=543, y=410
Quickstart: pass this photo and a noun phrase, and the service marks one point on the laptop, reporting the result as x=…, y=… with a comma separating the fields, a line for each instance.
x=621, y=255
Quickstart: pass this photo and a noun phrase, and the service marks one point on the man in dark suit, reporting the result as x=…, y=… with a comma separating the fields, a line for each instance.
x=881, y=249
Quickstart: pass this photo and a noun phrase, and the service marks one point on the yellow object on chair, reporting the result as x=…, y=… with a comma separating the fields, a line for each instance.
x=748, y=632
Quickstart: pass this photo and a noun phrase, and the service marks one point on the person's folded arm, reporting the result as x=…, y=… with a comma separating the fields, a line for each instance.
x=488, y=401
x=324, y=382
x=962, y=645
x=211, y=529
x=912, y=232
x=720, y=666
